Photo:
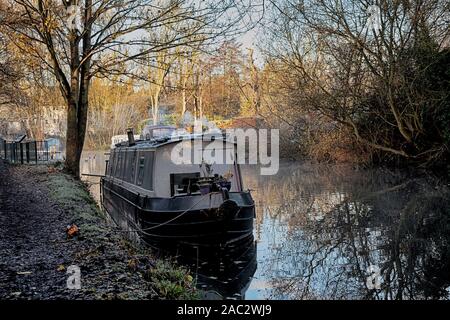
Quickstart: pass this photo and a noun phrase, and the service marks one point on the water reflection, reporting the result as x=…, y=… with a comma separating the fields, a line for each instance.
x=323, y=232
x=226, y=275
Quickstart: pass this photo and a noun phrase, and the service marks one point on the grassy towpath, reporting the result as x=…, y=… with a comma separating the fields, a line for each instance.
x=37, y=203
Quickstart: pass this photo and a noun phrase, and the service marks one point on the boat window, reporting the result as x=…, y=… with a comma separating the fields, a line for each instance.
x=145, y=170
x=118, y=165
x=141, y=166
x=123, y=165
x=113, y=167
x=148, y=172
x=111, y=164
x=184, y=183
x=131, y=166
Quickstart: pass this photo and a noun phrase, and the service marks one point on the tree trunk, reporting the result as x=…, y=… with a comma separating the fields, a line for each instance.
x=76, y=130
x=27, y=127
x=78, y=97
x=183, y=101
x=72, y=142
x=155, y=109
x=154, y=98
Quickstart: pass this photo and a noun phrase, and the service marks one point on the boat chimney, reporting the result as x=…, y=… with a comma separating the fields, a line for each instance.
x=130, y=134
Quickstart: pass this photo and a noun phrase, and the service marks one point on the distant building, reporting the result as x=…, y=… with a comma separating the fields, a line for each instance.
x=9, y=130
x=49, y=121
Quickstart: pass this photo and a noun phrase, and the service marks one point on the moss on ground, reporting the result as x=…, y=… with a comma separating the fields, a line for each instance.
x=73, y=196
x=166, y=279
x=171, y=281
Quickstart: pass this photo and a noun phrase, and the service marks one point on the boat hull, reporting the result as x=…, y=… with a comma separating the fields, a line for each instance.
x=188, y=222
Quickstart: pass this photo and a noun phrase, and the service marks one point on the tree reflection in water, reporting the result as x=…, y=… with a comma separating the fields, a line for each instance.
x=322, y=228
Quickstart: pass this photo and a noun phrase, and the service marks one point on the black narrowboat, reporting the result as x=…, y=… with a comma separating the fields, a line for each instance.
x=169, y=203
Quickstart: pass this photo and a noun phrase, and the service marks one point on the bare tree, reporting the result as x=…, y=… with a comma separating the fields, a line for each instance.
x=105, y=39
x=366, y=66
x=183, y=77
x=158, y=70
x=9, y=72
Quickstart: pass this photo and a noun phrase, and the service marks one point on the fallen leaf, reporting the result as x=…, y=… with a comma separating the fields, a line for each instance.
x=61, y=267
x=132, y=264
x=72, y=230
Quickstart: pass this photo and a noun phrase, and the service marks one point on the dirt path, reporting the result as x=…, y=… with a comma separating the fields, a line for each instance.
x=35, y=251
x=29, y=230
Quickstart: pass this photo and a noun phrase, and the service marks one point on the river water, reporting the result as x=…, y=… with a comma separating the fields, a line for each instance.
x=336, y=232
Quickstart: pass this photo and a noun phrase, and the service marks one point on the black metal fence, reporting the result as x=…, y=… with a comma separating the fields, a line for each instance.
x=24, y=152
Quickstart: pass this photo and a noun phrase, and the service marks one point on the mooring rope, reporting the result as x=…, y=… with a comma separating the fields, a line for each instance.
x=143, y=231
x=177, y=217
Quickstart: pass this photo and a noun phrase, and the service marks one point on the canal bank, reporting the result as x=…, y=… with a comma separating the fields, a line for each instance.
x=39, y=253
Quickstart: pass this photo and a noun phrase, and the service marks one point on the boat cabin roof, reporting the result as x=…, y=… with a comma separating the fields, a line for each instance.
x=141, y=167
x=163, y=141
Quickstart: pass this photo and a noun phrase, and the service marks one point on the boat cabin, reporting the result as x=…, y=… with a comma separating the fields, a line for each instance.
x=165, y=167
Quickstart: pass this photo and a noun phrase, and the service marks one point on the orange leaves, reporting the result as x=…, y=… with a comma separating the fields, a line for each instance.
x=51, y=23
x=72, y=231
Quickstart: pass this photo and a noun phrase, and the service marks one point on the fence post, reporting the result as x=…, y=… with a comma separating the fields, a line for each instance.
x=3, y=148
x=46, y=149
x=27, y=151
x=21, y=152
